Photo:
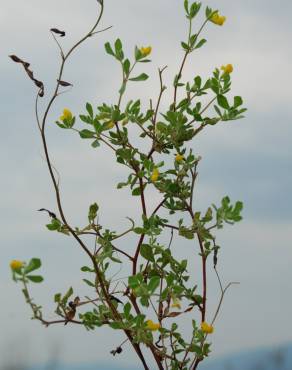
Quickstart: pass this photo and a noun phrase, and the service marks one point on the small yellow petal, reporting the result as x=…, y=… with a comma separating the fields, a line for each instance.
x=152, y=325
x=16, y=264
x=206, y=328
x=146, y=50
x=67, y=114
x=155, y=175
x=227, y=69
x=218, y=19
x=179, y=157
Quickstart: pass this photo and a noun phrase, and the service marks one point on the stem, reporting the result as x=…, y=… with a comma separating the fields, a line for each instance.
x=185, y=58
x=182, y=66
x=57, y=192
x=178, y=78
x=204, y=271
x=162, y=88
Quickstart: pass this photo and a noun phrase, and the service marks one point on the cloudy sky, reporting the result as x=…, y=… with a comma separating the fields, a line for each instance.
x=250, y=160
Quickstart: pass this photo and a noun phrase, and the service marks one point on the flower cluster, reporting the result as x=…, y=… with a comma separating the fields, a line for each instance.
x=155, y=175
x=16, y=264
x=67, y=115
x=218, y=19
x=179, y=157
x=227, y=69
x=146, y=50
x=152, y=325
x=207, y=328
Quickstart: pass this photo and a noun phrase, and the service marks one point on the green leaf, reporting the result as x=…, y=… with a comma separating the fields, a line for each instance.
x=186, y=6
x=54, y=225
x=127, y=310
x=136, y=191
x=134, y=281
x=95, y=144
x=218, y=111
x=86, y=269
x=123, y=88
x=183, y=265
x=35, y=278
x=118, y=45
x=185, y=46
x=57, y=297
x=114, y=259
x=147, y=252
x=86, y=134
x=34, y=264
x=222, y=101
x=144, y=301
x=141, y=77
x=196, y=349
x=153, y=283
x=85, y=119
x=89, y=109
x=208, y=12
x=198, y=299
x=61, y=125
x=138, y=53
x=92, y=213
x=145, y=61
x=116, y=325
x=126, y=66
x=195, y=8
x=139, y=230
x=186, y=233
x=119, y=50
x=237, y=101
x=88, y=283
x=200, y=43
x=67, y=295
x=109, y=49
x=193, y=40
x=198, y=82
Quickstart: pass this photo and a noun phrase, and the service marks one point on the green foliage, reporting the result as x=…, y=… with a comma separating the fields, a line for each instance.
x=158, y=282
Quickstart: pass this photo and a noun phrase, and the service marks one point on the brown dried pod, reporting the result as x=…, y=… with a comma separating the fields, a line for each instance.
x=64, y=83
x=29, y=72
x=58, y=32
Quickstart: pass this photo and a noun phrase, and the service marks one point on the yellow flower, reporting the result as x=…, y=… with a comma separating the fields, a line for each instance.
x=227, y=69
x=176, y=303
x=152, y=325
x=146, y=50
x=206, y=328
x=110, y=125
x=66, y=115
x=155, y=175
x=218, y=19
x=179, y=157
x=15, y=264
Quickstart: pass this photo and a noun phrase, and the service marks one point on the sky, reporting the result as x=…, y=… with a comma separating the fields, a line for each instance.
x=249, y=160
